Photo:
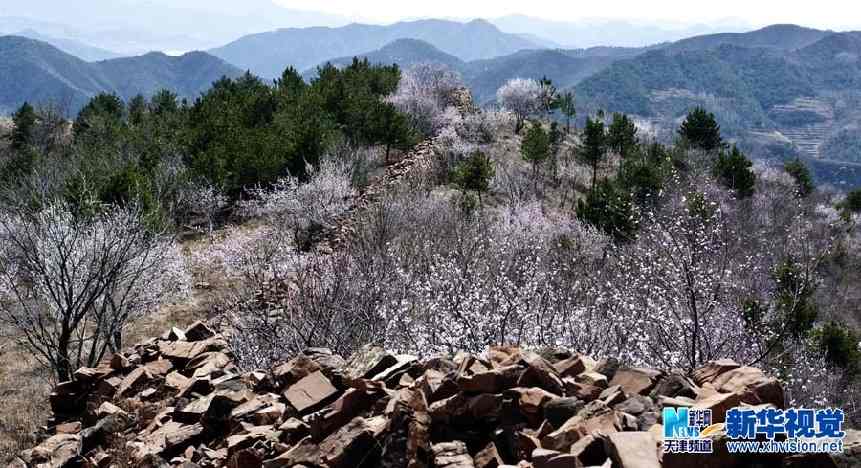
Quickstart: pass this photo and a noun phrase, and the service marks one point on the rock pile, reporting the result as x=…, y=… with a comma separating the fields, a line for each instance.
x=179, y=400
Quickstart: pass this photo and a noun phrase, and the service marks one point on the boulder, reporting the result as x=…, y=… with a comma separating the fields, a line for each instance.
x=294, y=370
x=488, y=457
x=712, y=370
x=559, y=410
x=198, y=331
x=57, y=451
x=636, y=381
x=543, y=458
x=632, y=449
x=491, y=381
x=310, y=393
x=452, y=455
x=752, y=386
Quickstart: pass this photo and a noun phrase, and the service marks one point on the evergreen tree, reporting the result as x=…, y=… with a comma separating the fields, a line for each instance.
x=622, y=135
x=852, y=204
x=701, y=130
x=609, y=208
x=137, y=109
x=475, y=174
x=734, y=172
x=568, y=109
x=25, y=123
x=290, y=85
x=840, y=346
x=801, y=174
x=106, y=108
x=793, y=298
x=391, y=128
x=535, y=147
x=594, y=147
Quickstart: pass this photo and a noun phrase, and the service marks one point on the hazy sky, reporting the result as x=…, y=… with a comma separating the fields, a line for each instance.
x=834, y=14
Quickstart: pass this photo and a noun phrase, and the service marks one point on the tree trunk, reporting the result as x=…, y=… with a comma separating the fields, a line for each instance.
x=63, y=367
x=594, y=175
x=388, y=150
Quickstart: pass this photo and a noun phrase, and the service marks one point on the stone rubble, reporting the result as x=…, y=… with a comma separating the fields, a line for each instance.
x=179, y=401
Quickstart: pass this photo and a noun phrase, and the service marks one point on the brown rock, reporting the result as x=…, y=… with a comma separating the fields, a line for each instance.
x=352, y=443
x=589, y=451
x=159, y=367
x=570, y=367
x=133, y=382
x=752, y=386
x=57, y=451
x=452, y=455
x=712, y=370
x=462, y=408
x=592, y=378
x=492, y=381
x=198, y=331
x=636, y=381
x=368, y=362
x=245, y=458
x=407, y=441
x=352, y=403
x=582, y=391
x=88, y=375
x=488, y=457
x=306, y=452
x=590, y=420
x=436, y=385
x=719, y=403
x=68, y=428
x=310, y=393
x=632, y=449
x=294, y=370
x=531, y=401
x=543, y=458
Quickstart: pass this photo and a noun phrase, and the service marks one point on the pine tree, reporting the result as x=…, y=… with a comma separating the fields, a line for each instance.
x=475, y=174
x=594, y=147
x=734, y=172
x=622, y=135
x=567, y=107
x=801, y=174
x=535, y=147
x=701, y=130
x=25, y=122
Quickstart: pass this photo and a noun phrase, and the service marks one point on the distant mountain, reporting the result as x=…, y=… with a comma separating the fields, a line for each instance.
x=268, y=54
x=133, y=27
x=565, y=67
x=778, y=36
x=602, y=32
x=79, y=49
x=403, y=52
x=783, y=95
x=38, y=72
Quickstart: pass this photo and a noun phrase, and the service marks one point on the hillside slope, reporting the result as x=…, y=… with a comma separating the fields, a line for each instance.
x=783, y=101
x=37, y=72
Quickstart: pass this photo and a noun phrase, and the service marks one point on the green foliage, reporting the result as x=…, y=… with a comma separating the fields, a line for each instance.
x=567, y=106
x=594, y=146
x=840, y=346
x=701, y=130
x=474, y=173
x=793, y=298
x=137, y=107
x=801, y=174
x=535, y=147
x=643, y=179
x=622, y=135
x=609, y=208
x=102, y=110
x=733, y=171
x=291, y=85
x=852, y=204
x=25, y=122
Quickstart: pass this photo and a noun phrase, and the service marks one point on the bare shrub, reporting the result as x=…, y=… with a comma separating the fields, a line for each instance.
x=72, y=282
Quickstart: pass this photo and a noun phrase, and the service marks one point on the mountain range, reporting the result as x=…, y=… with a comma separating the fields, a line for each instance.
x=35, y=71
x=267, y=54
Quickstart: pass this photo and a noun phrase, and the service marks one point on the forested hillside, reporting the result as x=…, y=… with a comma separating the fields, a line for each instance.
x=36, y=72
